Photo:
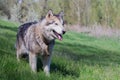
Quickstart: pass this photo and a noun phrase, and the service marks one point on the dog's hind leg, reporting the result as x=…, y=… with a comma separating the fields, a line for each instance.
x=18, y=53
x=33, y=61
x=20, y=50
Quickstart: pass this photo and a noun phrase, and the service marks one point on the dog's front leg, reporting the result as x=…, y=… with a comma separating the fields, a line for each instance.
x=33, y=61
x=46, y=60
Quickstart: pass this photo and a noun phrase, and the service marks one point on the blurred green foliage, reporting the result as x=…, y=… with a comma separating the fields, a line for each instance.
x=83, y=12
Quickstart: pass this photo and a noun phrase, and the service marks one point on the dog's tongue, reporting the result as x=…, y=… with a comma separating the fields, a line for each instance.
x=60, y=37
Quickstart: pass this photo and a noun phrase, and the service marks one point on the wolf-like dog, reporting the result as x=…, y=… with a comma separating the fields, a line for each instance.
x=36, y=38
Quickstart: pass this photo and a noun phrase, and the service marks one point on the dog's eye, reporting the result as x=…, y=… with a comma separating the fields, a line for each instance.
x=50, y=23
x=56, y=23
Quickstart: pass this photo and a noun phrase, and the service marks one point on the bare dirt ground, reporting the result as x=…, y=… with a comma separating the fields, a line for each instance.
x=95, y=30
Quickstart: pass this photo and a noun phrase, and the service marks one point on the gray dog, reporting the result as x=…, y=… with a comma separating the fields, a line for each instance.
x=36, y=38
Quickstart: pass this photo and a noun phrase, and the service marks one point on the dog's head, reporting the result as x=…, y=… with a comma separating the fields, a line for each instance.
x=54, y=26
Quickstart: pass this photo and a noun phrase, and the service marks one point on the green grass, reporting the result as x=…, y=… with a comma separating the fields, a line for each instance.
x=77, y=57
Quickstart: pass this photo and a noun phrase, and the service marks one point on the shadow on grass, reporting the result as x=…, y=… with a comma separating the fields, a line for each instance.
x=62, y=70
x=7, y=35
x=9, y=28
x=82, y=54
x=91, y=55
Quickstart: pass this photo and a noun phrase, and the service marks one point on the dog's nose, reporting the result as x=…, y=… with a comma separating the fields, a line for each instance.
x=63, y=32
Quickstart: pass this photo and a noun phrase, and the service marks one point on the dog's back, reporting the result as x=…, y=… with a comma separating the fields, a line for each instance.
x=23, y=28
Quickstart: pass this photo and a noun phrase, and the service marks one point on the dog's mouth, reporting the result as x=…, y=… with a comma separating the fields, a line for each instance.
x=59, y=36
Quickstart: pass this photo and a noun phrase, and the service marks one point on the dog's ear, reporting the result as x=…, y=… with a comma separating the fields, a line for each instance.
x=61, y=14
x=49, y=14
